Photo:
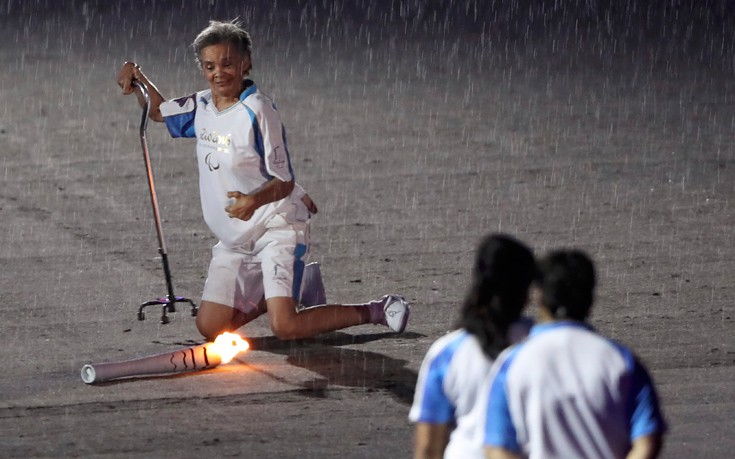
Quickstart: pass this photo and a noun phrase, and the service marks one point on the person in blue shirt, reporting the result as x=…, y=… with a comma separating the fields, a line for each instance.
x=566, y=391
x=457, y=364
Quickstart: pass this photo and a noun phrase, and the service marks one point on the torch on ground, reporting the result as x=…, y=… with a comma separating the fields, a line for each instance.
x=204, y=356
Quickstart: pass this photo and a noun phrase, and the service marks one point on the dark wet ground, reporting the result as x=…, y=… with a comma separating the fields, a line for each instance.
x=417, y=130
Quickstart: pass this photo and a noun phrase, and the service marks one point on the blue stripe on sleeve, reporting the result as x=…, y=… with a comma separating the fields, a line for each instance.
x=642, y=406
x=436, y=408
x=259, y=147
x=181, y=125
x=645, y=416
x=499, y=429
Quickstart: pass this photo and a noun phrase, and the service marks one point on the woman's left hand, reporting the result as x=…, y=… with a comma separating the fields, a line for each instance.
x=310, y=206
x=243, y=207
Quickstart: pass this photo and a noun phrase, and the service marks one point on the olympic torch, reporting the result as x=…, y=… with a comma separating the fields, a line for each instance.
x=204, y=356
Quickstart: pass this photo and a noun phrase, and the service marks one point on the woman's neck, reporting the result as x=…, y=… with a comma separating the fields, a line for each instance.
x=223, y=103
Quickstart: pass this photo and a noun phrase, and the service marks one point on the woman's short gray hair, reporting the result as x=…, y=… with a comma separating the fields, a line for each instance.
x=223, y=32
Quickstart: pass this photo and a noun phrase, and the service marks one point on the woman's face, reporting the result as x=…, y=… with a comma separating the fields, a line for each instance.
x=224, y=68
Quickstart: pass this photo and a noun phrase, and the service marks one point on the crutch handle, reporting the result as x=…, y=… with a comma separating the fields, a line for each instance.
x=146, y=105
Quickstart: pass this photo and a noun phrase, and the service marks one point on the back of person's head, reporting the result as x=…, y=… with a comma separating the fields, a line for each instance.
x=504, y=268
x=566, y=279
x=219, y=32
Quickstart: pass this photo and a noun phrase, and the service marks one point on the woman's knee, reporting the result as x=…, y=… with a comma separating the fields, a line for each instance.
x=285, y=330
x=282, y=318
x=213, y=319
x=209, y=329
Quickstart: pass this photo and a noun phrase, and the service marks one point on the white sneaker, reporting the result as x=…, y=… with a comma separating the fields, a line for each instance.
x=396, y=312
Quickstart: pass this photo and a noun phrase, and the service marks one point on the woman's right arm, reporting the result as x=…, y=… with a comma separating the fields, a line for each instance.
x=647, y=447
x=431, y=440
x=129, y=72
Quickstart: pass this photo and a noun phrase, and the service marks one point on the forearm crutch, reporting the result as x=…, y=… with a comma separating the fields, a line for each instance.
x=168, y=302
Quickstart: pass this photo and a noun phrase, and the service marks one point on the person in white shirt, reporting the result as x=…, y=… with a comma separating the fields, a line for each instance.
x=457, y=364
x=250, y=199
x=566, y=391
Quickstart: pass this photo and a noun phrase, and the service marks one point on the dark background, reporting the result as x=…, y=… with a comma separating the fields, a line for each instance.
x=417, y=127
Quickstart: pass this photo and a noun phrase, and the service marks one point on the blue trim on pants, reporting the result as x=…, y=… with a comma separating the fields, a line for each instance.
x=298, y=269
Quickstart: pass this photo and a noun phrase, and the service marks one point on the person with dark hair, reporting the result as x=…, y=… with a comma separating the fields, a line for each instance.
x=456, y=364
x=567, y=391
x=250, y=200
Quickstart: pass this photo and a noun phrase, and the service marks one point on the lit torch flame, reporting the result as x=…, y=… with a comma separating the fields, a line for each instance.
x=228, y=345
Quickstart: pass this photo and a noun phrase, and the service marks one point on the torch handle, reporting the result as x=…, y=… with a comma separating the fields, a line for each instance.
x=189, y=359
